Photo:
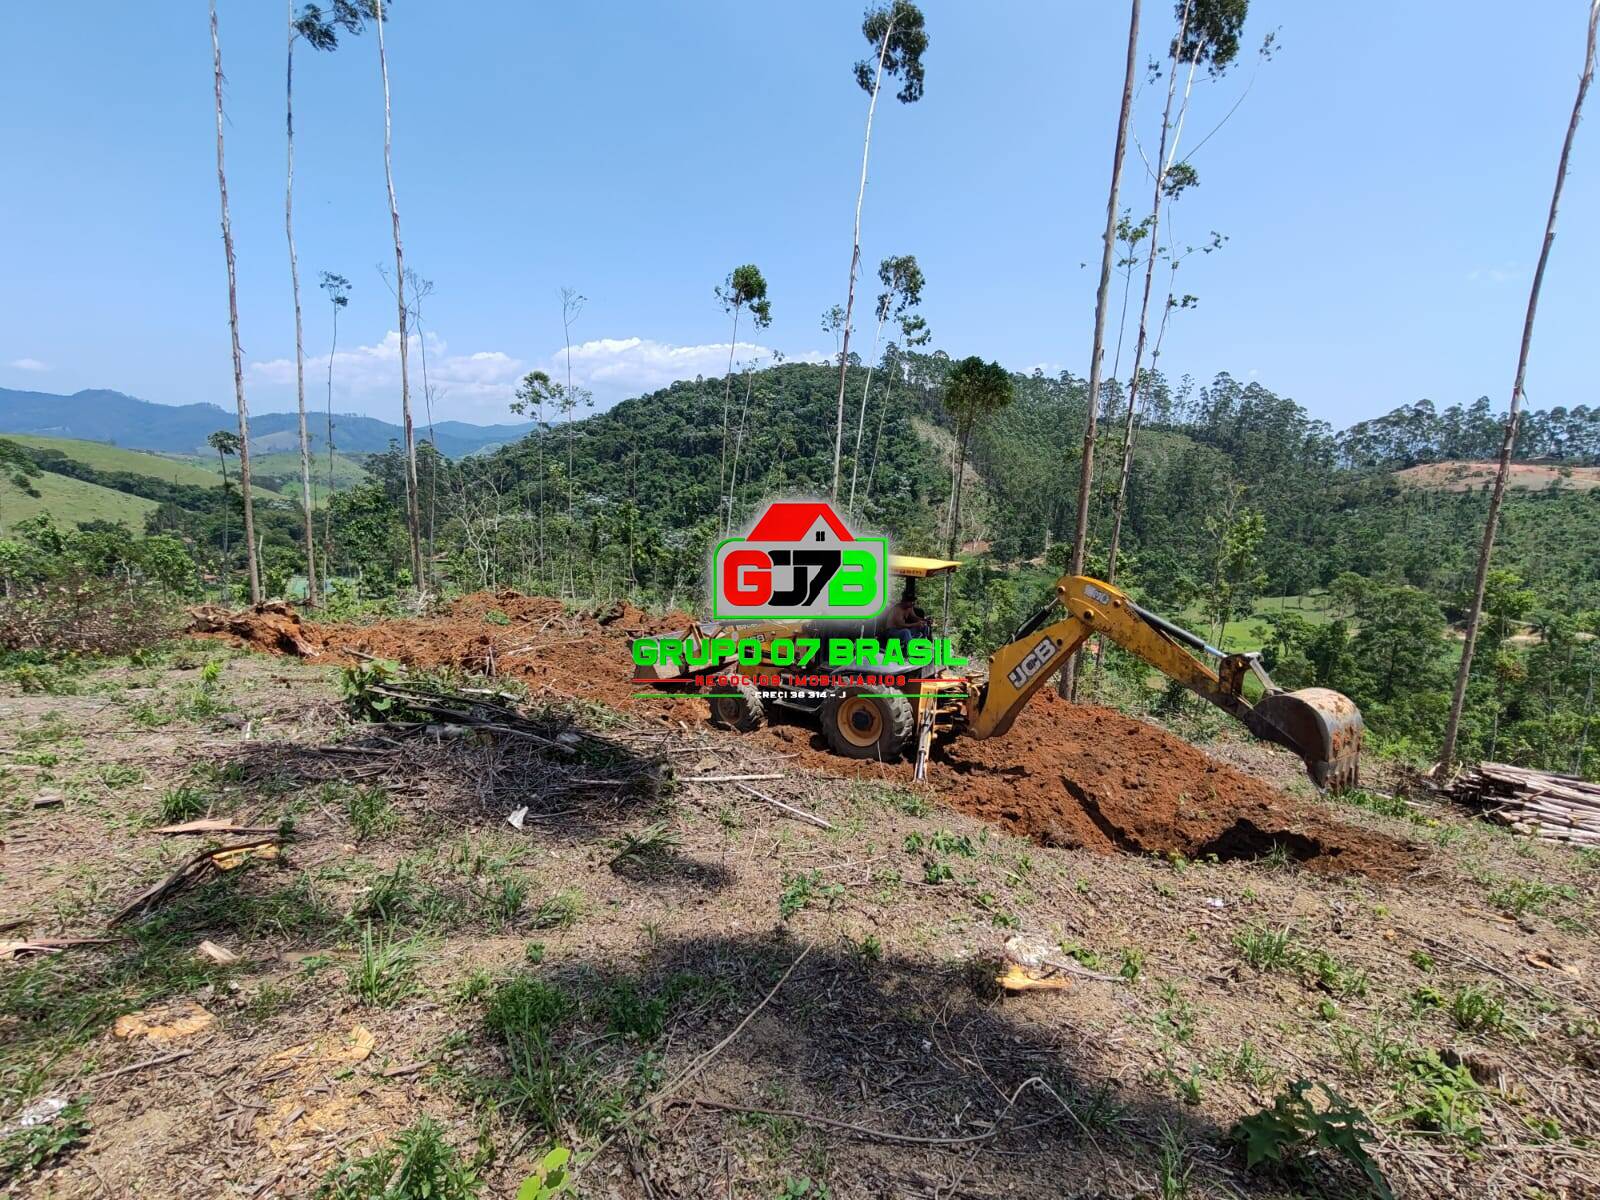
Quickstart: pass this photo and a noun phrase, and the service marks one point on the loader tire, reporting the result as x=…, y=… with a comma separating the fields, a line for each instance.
x=866, y=723
x=743, y=712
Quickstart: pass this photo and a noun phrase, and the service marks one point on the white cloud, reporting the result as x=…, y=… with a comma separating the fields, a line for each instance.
x=1493, y=274
x=28, y=364
x=474, y=386
x=616, y=368
x=479, y=386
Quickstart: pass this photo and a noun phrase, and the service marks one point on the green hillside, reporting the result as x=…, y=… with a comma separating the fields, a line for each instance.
x=170, y=469
x=284, y=469
x=69, y=501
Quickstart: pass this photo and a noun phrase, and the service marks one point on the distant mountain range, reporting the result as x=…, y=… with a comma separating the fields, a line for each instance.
x=105, y=416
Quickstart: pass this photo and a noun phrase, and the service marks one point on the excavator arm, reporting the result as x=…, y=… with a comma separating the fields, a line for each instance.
x=1323, y=727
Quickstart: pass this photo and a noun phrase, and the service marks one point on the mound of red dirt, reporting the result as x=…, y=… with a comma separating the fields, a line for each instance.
x=1065, y=775
x=1077, y=775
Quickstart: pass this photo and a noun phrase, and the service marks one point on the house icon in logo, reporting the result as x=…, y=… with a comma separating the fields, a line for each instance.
x=800, y=560
x=800, y=521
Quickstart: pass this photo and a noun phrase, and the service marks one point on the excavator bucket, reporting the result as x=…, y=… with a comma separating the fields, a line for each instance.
x=1322, y=726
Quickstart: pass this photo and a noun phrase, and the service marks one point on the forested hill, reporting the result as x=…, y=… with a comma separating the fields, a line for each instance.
x=663, y=455
x=1207, y=458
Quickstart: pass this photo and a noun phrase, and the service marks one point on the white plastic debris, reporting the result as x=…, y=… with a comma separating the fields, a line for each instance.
x=517, y=817
x=40, y=1112
x=1216, y=902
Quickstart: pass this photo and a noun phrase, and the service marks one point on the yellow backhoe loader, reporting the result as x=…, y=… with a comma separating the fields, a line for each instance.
x=867, y=720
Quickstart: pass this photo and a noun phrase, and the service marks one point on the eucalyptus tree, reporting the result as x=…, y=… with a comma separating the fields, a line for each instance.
x=833, y=322
x=337, y=288
x=1208, y=32
x=568, y=398
x=1458, y=698
x=902, y=291
x=738, y=440
x=233, y=326
x=914, y=332
x=898, y=32
x=1129, y=235
x=224, y=442
x=320, y=31
x=745, y=288
x=413, y=505
x=973, y=390
x=536, y=391
x=1097, y=350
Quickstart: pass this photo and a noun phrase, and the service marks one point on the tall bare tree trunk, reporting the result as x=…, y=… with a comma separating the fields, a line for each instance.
x=883, y=411
x=855, y=260
x=299, y=332
x=861, y=416
x=1097, y=352
x=413, y=509
x=727, y=394
x=233, y=326
x=1164, y=161
x=1458, y=699
x=327, y=516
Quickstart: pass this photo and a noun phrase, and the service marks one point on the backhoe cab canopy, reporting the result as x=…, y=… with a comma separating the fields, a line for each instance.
x=908, y=566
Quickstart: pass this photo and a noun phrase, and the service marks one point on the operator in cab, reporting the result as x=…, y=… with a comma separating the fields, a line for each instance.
x=906, y=620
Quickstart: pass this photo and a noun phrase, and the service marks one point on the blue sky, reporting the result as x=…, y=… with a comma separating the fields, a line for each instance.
x=1383, y=188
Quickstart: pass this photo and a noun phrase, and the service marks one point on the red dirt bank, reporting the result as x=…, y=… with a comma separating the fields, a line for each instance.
x=1065, y=775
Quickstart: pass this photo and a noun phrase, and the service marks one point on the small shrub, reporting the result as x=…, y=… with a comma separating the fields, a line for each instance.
x=1340, y=980
x=560, y=911
x=1285, y=1132
x=646, y=851
x=1440, y=1096
x=1473, y=1009
x=370, y=812
x=936, y=872
x=801, y=889
x=1132, y=964
x=417, y=1165
x=183, y=804
x=382, y=974
x=505, y=901
x=1267, y=949
x=550, y=1178
x=1519, y=897
x=945, y=842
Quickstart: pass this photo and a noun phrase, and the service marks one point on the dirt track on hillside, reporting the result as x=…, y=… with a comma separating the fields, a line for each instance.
x=1065, y=775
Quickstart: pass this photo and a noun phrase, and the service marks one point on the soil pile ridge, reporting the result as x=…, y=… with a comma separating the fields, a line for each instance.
x=1069, y=775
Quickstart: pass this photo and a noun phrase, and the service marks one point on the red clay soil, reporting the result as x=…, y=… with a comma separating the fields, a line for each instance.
x=1065, y=775
x=1078, y=775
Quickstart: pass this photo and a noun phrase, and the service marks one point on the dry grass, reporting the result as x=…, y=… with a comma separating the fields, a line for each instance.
x=554, y=979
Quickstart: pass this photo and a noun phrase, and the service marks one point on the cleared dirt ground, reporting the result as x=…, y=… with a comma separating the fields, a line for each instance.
x=1256, y=935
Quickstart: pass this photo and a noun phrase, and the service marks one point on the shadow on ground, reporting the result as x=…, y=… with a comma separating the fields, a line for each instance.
x=883, y=1075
